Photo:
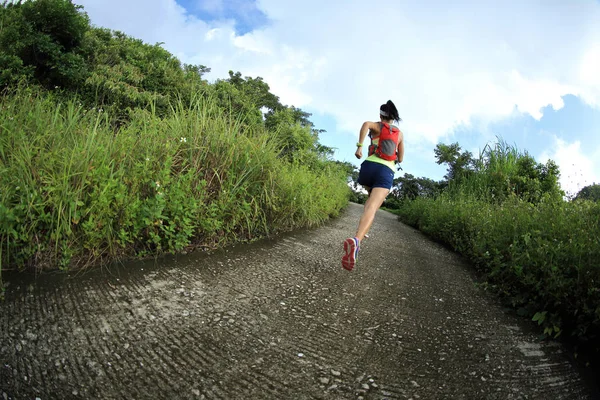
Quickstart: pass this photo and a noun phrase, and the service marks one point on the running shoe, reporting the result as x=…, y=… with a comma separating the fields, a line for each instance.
x=351, y=248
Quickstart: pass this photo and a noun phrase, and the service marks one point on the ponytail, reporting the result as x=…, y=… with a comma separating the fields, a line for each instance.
x=389, y=111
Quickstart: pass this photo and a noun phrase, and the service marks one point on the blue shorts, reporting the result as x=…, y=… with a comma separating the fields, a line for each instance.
x=374, y=175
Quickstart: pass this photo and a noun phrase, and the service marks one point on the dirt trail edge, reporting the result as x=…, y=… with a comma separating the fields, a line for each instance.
x=278, y=319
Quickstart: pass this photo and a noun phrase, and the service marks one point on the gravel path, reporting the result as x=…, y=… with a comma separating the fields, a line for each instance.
x=277, y=319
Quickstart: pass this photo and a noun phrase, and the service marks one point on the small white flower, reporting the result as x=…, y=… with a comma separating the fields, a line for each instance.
x=183, y=140
x=147, y=159
x=157, y=184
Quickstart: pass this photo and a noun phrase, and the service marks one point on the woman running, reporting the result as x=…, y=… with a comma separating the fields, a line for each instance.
x=376, y=172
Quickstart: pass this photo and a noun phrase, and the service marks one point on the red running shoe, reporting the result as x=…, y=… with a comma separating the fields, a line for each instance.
x=351, y=248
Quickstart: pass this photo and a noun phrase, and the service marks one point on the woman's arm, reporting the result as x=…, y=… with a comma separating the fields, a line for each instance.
x=401, y=148
x=366, y=126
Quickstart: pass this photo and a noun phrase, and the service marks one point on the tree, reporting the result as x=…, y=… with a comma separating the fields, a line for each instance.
x=500, y=171
x=43, y=37
x=590, y=192
x=408, y=187
x=51, y=43
x=256, y=90
x=127, y=73
x=459, y=164
x=293, y=138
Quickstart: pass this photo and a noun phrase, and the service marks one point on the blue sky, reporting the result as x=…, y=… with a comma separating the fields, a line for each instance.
x=246, y=16
x=461, y=72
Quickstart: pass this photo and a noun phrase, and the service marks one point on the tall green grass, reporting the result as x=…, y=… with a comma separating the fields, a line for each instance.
x=502, y=171
x=541, y=252
x=75, y=192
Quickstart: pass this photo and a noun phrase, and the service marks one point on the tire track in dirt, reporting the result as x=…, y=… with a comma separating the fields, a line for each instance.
x=277, y=319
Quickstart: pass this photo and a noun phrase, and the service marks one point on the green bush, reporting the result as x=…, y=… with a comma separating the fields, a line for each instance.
x=110, y=147
x=500, y=172
x=74, y=192
x=541, y=252
x=590, y=192
x=544, y=257
x=40, y=39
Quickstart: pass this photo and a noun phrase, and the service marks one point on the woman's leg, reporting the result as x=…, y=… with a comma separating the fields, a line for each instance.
x=373, y=203
x=377, y=175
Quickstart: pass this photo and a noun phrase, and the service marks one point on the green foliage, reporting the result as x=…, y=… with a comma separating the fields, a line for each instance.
x=40, y=39
x=256, y=91
x=295, y=142
x=73, y=193
x=459, y=164
x=51, y=43
x=358, y=197
x=590, y=192
x=408, y=187
x=126, y=74
x=235, y=102
x=351, y=173
x=500, y=171
x=507, y=215
x=127, y=152
x=543, y=257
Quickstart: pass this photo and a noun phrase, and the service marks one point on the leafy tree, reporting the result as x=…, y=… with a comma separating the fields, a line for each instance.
x=590, y=192
x=321, y=149
x=235, y=102
x=51, y=42
x=40, y=39
x=294, y=140
x=500, y=171
x=459, y=164
x=193, y=74
x=503, y=171
x=351, y=172
x=408, y=187
x=256, y=90
x=301, y=117
x=127, y=73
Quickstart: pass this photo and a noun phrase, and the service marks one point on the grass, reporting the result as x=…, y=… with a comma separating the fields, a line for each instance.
x=74, y=192
x=536, y=249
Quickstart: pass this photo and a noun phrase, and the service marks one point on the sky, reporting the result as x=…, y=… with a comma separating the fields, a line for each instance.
x=465, y=71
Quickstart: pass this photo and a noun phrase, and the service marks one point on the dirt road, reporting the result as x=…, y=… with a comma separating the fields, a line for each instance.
x=277, y=319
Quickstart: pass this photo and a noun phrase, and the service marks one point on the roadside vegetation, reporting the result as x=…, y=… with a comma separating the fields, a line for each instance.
x=506, y=213
x=111, y=148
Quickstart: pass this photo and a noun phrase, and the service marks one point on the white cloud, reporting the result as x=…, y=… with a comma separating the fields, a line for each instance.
x=441, y=63
x=213, y=6
x=577, y=170
x=211, y=34
x=590, y=65
x=255, y=43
